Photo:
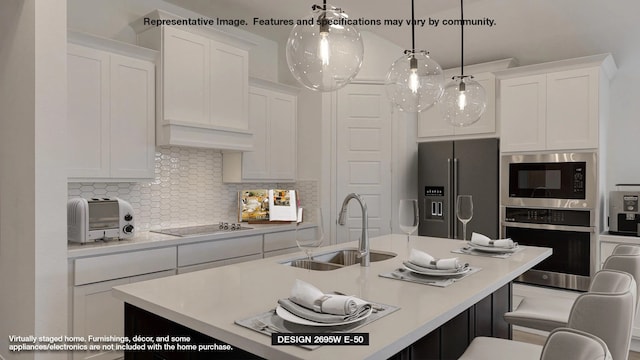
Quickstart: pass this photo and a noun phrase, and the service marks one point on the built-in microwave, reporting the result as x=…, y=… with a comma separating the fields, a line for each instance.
x=552, y=180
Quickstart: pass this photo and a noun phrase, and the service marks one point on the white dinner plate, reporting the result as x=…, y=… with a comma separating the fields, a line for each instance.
x=492, y=249
x=435, y=272
x=286, y=315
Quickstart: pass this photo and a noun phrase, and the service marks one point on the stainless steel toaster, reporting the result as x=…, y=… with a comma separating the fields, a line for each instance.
x=624, y=213
x=98, y=219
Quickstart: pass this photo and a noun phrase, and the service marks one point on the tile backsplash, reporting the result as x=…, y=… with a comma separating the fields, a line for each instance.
x=187, y=190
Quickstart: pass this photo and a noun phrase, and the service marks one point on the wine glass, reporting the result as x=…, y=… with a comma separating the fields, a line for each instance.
x=464, y=211
x=408, y=217
x=309, y=238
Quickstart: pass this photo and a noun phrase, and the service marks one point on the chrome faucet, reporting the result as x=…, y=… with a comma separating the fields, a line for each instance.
x=364, y=253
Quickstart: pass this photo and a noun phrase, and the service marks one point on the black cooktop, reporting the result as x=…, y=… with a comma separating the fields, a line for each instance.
x=201, y=229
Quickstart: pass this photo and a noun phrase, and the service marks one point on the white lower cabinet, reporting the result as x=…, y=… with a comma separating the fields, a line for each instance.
x=96, y=312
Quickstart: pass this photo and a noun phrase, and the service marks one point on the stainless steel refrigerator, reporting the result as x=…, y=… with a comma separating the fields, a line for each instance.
x=447, y=169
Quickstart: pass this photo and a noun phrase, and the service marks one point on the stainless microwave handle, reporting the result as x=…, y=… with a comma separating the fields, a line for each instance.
x=449, y=205
x=589, y=229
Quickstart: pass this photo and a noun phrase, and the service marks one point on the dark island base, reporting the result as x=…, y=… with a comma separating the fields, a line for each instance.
x=449, y=341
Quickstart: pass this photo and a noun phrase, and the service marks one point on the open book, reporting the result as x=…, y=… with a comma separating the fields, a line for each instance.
x=264, y=205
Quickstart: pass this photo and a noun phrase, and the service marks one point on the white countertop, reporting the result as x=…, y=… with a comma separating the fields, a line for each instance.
x=209, y=301
x=620, y=239
x=149, y=240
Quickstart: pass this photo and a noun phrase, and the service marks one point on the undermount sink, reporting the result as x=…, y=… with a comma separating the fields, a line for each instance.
x=337, y=259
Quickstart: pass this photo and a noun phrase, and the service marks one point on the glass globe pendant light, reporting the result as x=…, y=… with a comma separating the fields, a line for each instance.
x=324, y=52
x=464, y=99
x=414, y=81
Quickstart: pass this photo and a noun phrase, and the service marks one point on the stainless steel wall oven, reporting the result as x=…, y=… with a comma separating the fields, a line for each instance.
x=568, y=232
x=549, y=200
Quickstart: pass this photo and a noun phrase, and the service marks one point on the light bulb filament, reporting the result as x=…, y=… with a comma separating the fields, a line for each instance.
x=462, y=100
x=324, y=48
x=414, y=79
x=462, y=97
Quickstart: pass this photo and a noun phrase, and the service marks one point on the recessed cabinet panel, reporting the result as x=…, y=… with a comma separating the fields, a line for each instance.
x=229, y=95
x=255, y=164
x=186, y=76
x=88, y=112
x=283, y=137
x=132, y=118
x=523, y=113
x=572, y=109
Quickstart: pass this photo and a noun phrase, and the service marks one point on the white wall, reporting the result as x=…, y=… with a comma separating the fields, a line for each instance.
x=111, y=19
x=33, y=245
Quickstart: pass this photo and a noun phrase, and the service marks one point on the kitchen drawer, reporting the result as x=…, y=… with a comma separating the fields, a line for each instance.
x=214, y=264
x=116, y=266
x=279, y=240
x=203, y=252
x=268, y=254
x=284, y=239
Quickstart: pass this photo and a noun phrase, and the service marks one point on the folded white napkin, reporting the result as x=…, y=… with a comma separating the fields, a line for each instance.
x=479, y=239
x=307, y=295
x=423, y=259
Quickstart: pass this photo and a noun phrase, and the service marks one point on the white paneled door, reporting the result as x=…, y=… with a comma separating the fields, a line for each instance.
x=364, y=158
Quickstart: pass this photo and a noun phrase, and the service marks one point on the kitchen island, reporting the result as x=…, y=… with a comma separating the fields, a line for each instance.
x=209, y=301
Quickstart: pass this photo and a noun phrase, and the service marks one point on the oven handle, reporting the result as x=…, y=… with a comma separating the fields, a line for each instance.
x=590, y=229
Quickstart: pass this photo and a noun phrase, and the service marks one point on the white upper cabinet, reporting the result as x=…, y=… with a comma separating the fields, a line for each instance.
x=572, y=109
x=555, y=106
x=202, y=85
x=186, y=73
x=272, y=120
x=88, y=112
x=431, y=123
x=111, y=111
x=523, y=113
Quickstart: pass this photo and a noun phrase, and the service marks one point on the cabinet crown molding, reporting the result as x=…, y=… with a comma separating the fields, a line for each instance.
x=490, y=66
x=266, y=84
x=110, y=45
x=605, y=61
x=212, y=32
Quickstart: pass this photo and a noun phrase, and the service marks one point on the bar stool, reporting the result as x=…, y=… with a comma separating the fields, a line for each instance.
x=548, y=313
x=606, y=315
x=566, y=343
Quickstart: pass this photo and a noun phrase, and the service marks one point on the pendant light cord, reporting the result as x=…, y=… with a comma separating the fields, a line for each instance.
x=413, y=28
x=461, y=38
